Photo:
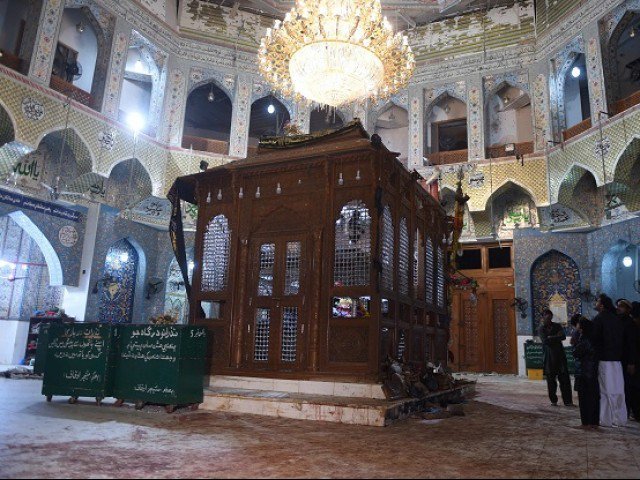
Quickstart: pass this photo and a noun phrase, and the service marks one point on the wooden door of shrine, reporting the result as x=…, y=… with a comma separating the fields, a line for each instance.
x=275, y=329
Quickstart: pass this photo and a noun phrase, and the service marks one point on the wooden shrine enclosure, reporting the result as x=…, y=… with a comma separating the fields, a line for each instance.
x=318, y=258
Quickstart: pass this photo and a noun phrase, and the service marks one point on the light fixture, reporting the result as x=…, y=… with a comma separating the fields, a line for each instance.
x=124, y=257
x=447, y=108
x=271, y=109
x=627, y=261
x=211, y=97
x=135, y=121
x=219, y=196
x=633, y=32
x=138, y=67
x=576, y=72
x=335, y=53
x=80, y=27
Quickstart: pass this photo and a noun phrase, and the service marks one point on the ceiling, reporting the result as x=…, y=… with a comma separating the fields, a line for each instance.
x=401, y=13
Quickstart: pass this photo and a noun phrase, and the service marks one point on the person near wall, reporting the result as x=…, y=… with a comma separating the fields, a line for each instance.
x=586, y=383
x=634, y=389
x=555, y=360
x=608, y=339
x=623, y=309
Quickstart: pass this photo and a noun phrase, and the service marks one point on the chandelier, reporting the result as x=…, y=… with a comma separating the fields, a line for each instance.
x=335, y=52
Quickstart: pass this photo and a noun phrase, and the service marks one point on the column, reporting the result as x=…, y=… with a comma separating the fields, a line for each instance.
x=241, y=116
x=475, y=119
x=595, y=75
x=361, y=111
x=46, y=41
x=172, y=122
x=302, y=116
x=416, y=131
x=115, y=72
x=541, y=110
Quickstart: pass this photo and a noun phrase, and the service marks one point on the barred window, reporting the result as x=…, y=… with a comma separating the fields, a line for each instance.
x=261, y=341
x=265, y=274
x=215, y=257
x=352, y=264
x=416, y=263
x=386, y=251
x=403, y=257
x=289, y=334
x=292, y=270
x=428, y=270
x=441, y=283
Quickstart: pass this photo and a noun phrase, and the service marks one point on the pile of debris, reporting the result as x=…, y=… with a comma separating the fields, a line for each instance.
x=20, y=373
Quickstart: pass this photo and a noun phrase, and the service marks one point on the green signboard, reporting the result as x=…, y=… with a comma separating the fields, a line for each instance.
x=162, y=364
x=78, y=360
x=534, y=357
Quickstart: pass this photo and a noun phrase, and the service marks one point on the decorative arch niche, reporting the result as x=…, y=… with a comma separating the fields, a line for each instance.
x=17, y=48
x=509, y=120
x=117, y=288
x=325, y=118
x=392, y=124
x=627, y=174
x=555, y=281
x=446, y=125
x=207, y=121
x=618, y=279
x=262, y=122
x=512, y=207
x=580, y=192
x=129, y=183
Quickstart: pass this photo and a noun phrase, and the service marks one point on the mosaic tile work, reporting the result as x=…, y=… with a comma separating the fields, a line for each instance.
x=174, y=107
x=116, y=73
x=540, y=112
x=117, y=288
x=240, y=118
x=475, y=112
x=596, y=79
x=42, y=61
x=416, y=116
x=157, y=7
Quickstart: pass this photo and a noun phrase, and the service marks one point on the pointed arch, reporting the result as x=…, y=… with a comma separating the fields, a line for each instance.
x=449, y=92
x=7, y=126
x=505, y=186
x=75, y=142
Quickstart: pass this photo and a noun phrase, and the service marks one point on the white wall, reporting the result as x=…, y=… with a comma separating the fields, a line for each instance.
x=511, y=126
x=135, y=97
x=572, y=105
x=86, y=44
x=394, y=133
x=13, y=341
x=11, y=12
x=132, y=65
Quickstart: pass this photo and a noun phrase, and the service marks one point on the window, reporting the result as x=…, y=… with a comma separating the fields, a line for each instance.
x=386, y=254
x=292, y=270
x=416, y=263
x=352, y=264
x=261, y=342
x=470, y=260
x=212, y=310
x=265, y=274
x=348, y=307
x=500, y=257
x=403, y=258
x=289, y=334
x=215, y=258
x=429, y=270
x=440, y=280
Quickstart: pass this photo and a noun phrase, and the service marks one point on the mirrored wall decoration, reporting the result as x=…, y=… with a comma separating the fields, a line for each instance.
x=215, y=257
x=267, y=262
x=386, y=251
x=352, y=264
x=261, y=342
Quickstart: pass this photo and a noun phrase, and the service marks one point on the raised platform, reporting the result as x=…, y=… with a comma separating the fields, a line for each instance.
x=339, y=408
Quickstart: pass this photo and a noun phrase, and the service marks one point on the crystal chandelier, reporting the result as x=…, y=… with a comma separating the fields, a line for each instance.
x=335, y=52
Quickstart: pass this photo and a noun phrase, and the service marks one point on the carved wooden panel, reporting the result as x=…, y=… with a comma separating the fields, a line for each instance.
x=348, y=344
x=471, y=334
x=501, y=333
x=219, y=348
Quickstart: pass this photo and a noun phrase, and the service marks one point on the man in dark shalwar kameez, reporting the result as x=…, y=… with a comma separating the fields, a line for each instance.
x=555, y=360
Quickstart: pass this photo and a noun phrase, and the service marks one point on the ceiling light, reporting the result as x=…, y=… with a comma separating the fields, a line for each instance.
x=627, y=261
x=135, y=121
x=80, y=27
x=211, y=97
x=335, y=53
x=633, y=33
x=271, y=109
x=576, y=72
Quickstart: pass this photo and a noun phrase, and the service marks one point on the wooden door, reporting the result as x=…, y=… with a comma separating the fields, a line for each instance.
x=467, y=331
x=502, y=339
x=276, y=320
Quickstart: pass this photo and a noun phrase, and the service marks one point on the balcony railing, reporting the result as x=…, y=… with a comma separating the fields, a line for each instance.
x=445, y=158
x=9, y=60
x=66, y=88
x=576, y=129
x=499, y=151
x=625, y=104
x=202, y=144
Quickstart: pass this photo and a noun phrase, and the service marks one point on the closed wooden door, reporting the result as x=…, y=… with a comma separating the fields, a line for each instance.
x=501, y=338
x=276, y=328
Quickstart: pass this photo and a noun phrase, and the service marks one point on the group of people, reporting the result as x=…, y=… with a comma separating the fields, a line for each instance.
x=606, y=351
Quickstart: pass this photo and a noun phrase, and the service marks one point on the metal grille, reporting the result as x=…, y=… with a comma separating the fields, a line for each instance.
x=386, y=253
x=215, y=257
x=292, y=270
x=416, y=263
x=440, y=279
x=261, y=344
x=352, y=265
x=428, y=270
x=267, y=262
x=289, y=333
x=501, y=331
x=403, y=258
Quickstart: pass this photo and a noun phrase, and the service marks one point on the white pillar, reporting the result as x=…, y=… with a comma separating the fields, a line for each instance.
x=475, y=119
x=595, y=75
x=115, y=72
x=416, y=127
x=240, y=118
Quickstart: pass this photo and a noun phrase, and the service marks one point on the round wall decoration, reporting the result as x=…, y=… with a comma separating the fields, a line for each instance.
x=32, y=109
x=68, y=236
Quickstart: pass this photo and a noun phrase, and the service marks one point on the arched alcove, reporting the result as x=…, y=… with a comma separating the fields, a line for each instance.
x=508, y=121
x=265, y=120
x=579, y=192
x=18, y=32
x=325, y=118
x=393, y=127
x=117, y=287
x=128, y=184
x=555, y=284
x=207, y=120
x=576, y=92
x=446, y=130
x=176, y=302
x=627, y=173
x=511, y=207
x=621, y=272
x=7, y=129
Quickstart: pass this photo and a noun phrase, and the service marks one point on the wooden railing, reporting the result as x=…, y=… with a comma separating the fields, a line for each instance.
x=66, y=88
x=445, y=158
x=9, y=60
x=498, y=151
x=252, y=151
x=576, y=129
x=625, y=104
x=202, y=144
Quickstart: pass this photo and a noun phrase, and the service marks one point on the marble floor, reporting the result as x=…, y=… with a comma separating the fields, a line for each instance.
x=509, y=431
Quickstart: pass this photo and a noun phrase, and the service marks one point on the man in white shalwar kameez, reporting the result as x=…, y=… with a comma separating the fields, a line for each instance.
x=609, y=343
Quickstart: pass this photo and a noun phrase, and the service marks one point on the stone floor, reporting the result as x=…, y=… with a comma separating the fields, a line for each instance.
x=509, y=431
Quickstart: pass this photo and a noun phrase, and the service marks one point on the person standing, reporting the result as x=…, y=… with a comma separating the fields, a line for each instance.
x=608, y=340
x=555, y=360
x=634, y=389
x=623, y=309
x=586, y=383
